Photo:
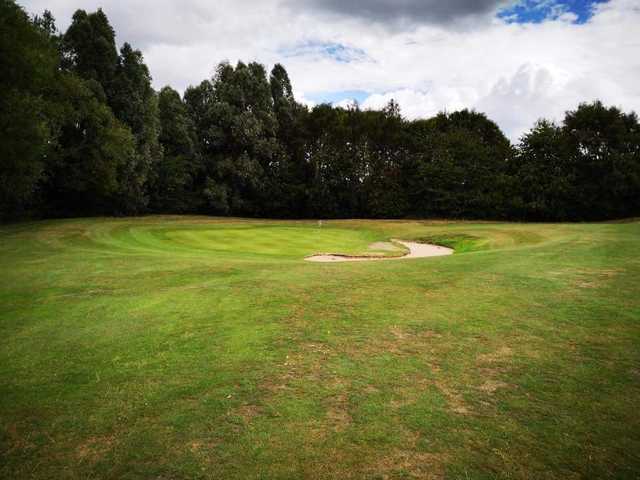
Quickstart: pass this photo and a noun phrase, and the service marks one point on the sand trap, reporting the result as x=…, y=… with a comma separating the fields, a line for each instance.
x=416, y=250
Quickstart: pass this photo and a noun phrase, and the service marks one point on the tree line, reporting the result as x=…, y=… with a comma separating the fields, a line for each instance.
x=82, y=132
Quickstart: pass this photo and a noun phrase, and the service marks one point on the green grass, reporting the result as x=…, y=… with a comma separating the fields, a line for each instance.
x=460, y=242
x=197, y=348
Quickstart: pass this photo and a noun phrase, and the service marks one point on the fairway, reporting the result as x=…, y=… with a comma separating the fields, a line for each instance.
x=207, y=348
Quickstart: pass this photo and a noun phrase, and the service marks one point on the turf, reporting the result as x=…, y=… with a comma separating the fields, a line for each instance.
x=191, y=347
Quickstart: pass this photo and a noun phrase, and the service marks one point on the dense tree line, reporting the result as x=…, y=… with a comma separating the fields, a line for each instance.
x=82, y=132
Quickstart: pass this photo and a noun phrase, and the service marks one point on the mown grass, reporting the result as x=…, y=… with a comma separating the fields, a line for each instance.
x=191, y=347
x=459, y=242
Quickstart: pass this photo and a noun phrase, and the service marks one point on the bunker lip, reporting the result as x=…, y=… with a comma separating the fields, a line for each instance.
x=416, y=250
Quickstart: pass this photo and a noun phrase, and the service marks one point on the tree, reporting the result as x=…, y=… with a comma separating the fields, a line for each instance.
x=237, y=129
x=92, y=155
x=290, y=175
x=89, y=49
x=46, y=23
x=334, y=156
x=543, y=176
x=176, y=173
x=385, y=163
x=460, y=162
x=134, y=103
x=28, y=63
x=586, y=169
x=604, y=153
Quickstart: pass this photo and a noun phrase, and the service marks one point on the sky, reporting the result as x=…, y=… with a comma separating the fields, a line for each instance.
x=515, y=60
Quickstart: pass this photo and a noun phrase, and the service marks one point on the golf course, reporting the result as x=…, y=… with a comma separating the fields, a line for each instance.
x=177, y=347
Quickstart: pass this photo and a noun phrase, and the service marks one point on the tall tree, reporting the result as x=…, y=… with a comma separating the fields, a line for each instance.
x=177, y=172
x=28, y=64
x=134, y=102
x=234, y=114
x=461, y=160
x=385, y=163
x=543, y=175
x=334, y=152
x=89, y=48
x=91, y=155
x=604, y=150
x=289, y=176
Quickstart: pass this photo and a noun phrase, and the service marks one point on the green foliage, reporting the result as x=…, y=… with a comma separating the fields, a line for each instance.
x=604, y=150
x=334, y=151
x=89, y=51
x=290, y=173
x=460, y=158
x=236, y=124
x=216, y=196
x=91, y=162
x=135, y=103
x=589, y=168
x=89, y=48
x=27, y=62
x=384, y=155
x=545, y=186
x=176, y=174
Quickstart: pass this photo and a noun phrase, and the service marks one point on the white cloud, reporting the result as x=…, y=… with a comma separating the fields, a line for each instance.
x=515, y=73
x=346, y=103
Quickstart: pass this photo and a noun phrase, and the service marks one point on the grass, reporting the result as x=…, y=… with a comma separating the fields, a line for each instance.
x=191, y=347
x=460, y=242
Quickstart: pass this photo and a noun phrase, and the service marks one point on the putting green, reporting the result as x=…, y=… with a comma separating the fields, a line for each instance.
x=215, y=240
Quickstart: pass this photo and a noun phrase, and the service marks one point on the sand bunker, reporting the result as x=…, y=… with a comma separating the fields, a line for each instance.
x=416, y=250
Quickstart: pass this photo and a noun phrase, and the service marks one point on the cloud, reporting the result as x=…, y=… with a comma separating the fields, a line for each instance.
x=516, y=72
x=336, y=51
x=407, y=12
x=416, y=104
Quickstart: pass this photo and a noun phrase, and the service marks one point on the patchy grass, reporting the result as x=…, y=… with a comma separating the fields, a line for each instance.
x=195, y=347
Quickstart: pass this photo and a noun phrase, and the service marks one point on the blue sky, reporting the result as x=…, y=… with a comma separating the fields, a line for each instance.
x=536, y=11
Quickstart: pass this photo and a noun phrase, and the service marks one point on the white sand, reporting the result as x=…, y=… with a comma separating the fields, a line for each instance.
x=416, y=250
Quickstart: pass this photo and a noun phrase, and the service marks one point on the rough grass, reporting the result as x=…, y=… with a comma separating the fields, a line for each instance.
x=190, y=347
x=460, y=242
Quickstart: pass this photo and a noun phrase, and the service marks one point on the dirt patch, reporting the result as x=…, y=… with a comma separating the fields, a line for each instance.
x=587, y=278
x=409, y=393
x=399, y=333
x=203, y=446
x=491, y=386
x=497, y=356
x=16, y=439
x=454, y=399
x=411, y=464
x=246, y=412
x=398, y=341
x=308, y=363
x=497, y=361
x=94, y=448
x=338, y=415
